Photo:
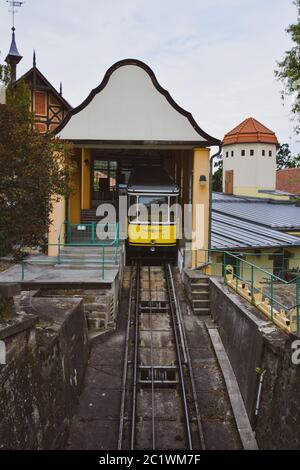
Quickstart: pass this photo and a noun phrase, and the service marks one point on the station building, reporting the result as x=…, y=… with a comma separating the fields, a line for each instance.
x=129, y=120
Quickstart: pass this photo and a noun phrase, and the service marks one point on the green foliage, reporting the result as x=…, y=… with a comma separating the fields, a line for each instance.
x=284, y=158
x=289, y=69
x=34, y=173
x=217, y=178
x=4, y=74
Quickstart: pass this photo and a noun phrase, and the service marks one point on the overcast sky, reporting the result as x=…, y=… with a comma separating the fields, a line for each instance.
x=215, y=57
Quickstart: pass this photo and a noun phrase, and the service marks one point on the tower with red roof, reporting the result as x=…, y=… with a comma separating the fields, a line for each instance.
x=249, y=160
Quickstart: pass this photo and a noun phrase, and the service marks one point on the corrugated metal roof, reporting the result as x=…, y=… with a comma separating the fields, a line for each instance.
x=277, y=216
x=229, y=232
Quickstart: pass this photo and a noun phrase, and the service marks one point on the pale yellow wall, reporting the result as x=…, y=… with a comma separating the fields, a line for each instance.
x=254, y=192
x=200, y=197
x=57, y=217
x=296, y=234
x=294, y=262
x=74, y=205
x=86, y=178
x=216, y=266
x=262, y=262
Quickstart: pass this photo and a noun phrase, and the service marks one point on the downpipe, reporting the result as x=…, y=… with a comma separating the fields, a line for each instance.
x=261, y=381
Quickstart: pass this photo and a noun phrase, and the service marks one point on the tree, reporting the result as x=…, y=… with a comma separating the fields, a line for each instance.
x=217, y=178
x=289, y=69
x=5, y=74
x=284, y=158
x=34, y=173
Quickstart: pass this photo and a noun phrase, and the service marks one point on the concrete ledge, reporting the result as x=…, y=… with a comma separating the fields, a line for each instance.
x=237, y=404
x=9, y=289
x=39, y=284
x=17, y=325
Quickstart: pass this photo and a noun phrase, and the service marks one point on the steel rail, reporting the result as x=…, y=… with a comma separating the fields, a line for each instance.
x=135, y=359
x=190, y=368
x=125, y=365
x=151, y=358
x=174, y=316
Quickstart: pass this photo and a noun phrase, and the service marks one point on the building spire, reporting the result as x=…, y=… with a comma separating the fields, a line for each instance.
x=13, y=57
x=34, y=59
x=60, y=88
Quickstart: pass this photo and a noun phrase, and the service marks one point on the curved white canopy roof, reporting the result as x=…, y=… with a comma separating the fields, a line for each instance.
x=130, y=105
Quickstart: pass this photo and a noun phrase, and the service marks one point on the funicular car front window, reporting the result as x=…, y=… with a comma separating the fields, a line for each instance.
x=157, y=206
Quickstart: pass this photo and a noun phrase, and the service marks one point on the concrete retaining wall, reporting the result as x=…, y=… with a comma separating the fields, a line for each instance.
x=252, y=342
x=47, y=352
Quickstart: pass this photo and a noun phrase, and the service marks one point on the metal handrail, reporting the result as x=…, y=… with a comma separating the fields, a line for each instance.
x=93, y=226
x=57, y=260
x=272, y=278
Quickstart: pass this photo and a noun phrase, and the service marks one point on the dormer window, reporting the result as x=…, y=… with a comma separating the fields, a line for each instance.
x=263, y=153
x=243, y=153
x=251, y=153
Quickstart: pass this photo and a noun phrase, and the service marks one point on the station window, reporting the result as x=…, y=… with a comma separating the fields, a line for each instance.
x=232, y=153
x=263, y=153
x=251, y=153
x=270, y=153
x=243, y=153
x=227, y=154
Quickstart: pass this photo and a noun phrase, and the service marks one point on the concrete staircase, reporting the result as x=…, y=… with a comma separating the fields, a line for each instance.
x=87, y=257
x=197, y=288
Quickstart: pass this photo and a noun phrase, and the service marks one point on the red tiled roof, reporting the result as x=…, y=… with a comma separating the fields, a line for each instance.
x=250, y=130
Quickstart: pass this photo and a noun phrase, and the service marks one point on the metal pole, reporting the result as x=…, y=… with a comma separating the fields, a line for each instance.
x=58, y=253
x=236, y=275
x=68, y=232
x=297, y=303
x=93, y=231
x=103, y=262
x=252, y=284
x=271, y=297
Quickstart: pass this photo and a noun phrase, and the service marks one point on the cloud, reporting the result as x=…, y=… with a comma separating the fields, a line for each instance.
x=216, y=57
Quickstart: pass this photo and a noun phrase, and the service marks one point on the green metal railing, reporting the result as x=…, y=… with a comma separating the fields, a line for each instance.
x=86, y=235
x=267, y=293
x=71, y=235
x=103, y=262
x=275, y=297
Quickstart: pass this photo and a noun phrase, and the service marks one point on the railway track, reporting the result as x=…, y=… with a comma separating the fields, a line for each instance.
x=159, y=408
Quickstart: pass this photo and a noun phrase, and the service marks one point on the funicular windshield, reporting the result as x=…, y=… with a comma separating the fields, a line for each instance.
x=152, y=209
